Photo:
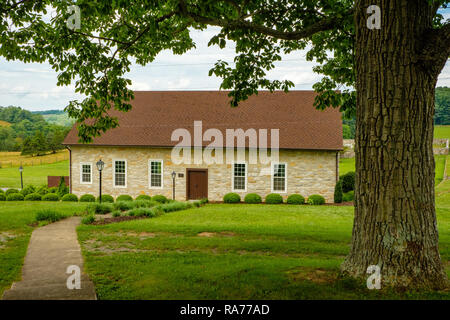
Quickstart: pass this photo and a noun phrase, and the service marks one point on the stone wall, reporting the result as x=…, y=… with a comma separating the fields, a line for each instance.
x=308, y=172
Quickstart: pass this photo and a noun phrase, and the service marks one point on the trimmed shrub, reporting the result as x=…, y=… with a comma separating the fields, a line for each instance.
x=106, y=198
x=141, y=212
x=274, y=198
x=70, y=197
x=159, y=198
x=33, y=197
x=295, y=199
x=100, y=208
x=116, y=213
x=14, y=197
x=49, y=215
x=231, y=198
x=50, y=197
x=2, y=197
x=124, y=197
x=348, y=182
x=52, y=190
x=28, y=190
x=11, y=191
x=252, y=198
x=349, y=196
x=143, y=197
x=87, y=198
x=124, y=205
x=62, y=188
x=204, y=201
x=88, y=219
x=338, y=194
x=42, y=190
x=316, y=199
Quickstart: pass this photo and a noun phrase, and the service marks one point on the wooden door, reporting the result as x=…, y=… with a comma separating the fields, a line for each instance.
x=197, y=184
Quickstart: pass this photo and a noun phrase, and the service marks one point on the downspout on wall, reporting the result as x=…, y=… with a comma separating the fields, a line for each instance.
x=70, y=169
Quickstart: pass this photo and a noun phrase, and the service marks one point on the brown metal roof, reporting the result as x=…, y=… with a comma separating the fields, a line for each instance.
x=156, y=114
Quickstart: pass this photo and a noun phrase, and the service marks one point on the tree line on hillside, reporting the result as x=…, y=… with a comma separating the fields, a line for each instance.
x=29, y=132
x=441, y=114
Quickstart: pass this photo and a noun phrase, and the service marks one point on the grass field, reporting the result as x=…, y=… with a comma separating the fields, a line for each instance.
x=442, y=132
x=36, y=175
x=14, y=159
x=15, y=231
x=4, y=124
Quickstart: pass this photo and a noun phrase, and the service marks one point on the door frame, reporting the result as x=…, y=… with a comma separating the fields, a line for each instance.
x=188, y=180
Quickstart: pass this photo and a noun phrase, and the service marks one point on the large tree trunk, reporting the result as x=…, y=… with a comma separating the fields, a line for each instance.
x=395, y=221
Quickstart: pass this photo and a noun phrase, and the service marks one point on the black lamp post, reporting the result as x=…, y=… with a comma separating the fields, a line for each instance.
x=100, y=165
x=174, y=174
x=21, y=177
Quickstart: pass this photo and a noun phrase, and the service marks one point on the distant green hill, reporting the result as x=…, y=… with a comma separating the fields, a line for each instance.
x=58, y=117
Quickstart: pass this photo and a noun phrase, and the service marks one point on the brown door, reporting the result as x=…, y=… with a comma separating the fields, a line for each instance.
x=197, y=184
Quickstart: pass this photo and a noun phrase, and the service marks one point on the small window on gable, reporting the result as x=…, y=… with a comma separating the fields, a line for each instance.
x=279, y=177
x=86, y=173
x=239, y=176
x=120, y=173
x=156, y=174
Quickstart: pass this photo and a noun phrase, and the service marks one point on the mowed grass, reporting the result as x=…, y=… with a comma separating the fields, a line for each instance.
x=16, y=219
x=35, y=175
x=233, y=252
x=442, y=132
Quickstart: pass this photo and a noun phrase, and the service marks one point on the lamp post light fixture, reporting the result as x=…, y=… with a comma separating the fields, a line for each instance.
x=100, y=165
x=21, y=177
x=174, y=174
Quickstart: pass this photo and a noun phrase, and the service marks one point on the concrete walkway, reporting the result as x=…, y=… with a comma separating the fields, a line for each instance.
x=51, y=250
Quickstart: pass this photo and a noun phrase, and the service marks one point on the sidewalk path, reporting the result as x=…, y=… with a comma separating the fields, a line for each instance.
x=52, y=249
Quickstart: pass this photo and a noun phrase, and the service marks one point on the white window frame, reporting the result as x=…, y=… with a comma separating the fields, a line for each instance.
x=81, y=172
x=232, y=177
x=114, y=173
x=272, y=172
x=150, y=173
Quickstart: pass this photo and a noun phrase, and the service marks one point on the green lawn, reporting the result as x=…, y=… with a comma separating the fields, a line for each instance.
x=232, y=252
x=15, y=231
x=442, y=132
x=35, y=175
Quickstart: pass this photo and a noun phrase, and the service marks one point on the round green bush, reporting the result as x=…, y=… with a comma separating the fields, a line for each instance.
x=11, y=191
x=295, y=199
x=14, y=197
x=348, y=182
x=87, y=198
x=33, y=197
x=252, y=198
x=106, y=198
x=52, y=190
x=338, y=194
x=274, y=198
x=124, y=197
x=2, y=197
x=349, y=196
x=143, y=197
x=28, y=190
x=50, y=197
x=231, y=198
x=70, y=197
x=316, y=199
x=159, y=198
x=42, y=190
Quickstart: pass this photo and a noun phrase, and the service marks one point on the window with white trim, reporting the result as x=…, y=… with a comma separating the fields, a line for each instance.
x=86, y=173
x=156, y=174
x=239, y=176
x=279, y=177
x=120, y=173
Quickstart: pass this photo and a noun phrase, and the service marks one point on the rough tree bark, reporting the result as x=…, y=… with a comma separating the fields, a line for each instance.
x=395, y=221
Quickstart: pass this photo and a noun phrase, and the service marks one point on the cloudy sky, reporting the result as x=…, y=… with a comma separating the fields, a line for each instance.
x=33, y=86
